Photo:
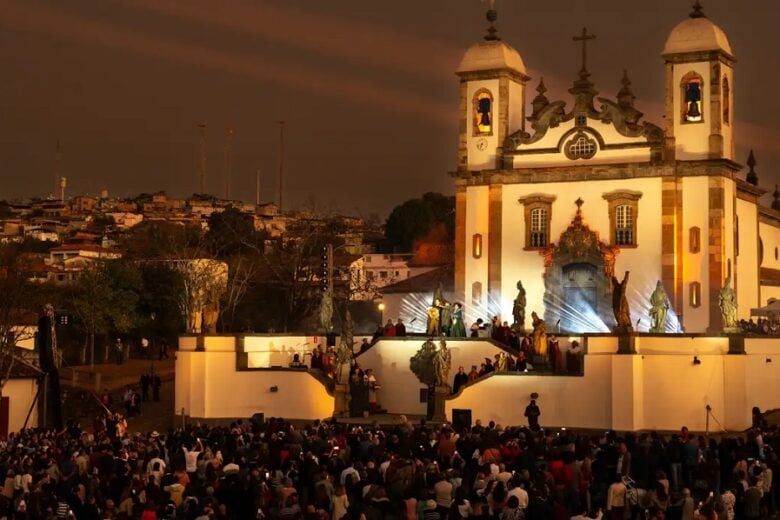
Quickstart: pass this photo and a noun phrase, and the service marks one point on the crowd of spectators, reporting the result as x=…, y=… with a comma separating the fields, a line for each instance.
x=760, y=326
x=331, y=471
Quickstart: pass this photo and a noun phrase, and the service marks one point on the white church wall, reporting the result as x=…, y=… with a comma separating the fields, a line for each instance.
x=644, y=261
x=747, y=260
x=21, y=394
x=770, y=236
x=695, y=192
x=602, y=157
x=481, y=159
x=691, y=345
x=516, y=106
x=208, y=386
x=502, y=398
x=727, y=129
x=692, y=140
x=477, y=213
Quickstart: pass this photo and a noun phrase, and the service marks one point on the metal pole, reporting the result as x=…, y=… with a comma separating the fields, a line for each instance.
x=257, y=187
x=281, y=164
x=707, y=421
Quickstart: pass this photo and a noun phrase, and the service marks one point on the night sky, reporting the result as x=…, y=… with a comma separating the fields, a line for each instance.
x=367, y=88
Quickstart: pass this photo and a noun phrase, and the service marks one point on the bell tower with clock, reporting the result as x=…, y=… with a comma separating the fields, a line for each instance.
x=492, y=100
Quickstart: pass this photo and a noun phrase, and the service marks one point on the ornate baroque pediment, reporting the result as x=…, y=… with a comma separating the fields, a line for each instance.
x=579, y=243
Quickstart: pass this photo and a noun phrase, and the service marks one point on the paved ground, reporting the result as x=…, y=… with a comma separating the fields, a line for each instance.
x=82, y=383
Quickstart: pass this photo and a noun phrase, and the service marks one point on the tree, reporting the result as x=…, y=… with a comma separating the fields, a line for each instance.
x=232, y=232
x=161, y=294
x=417, y=218
x=104, y=300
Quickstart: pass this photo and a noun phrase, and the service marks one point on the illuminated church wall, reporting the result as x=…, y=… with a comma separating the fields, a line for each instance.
x=644, y=261
x=481, y=157
x=691, y=139
x=477, y=202
x=747, y=261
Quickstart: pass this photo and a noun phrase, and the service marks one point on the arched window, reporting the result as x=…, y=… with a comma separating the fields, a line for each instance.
x=538, y=227
x=726, y=101
x=692, y=95
x=483, y=112
x=624, y=225
x=623, y=216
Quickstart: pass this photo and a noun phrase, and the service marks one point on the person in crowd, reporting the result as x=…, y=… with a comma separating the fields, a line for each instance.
x=145, y=382
x=316, y=358
x=400, y=328
x=532, y=413
x=473, y=374
x=326, y=470
x=156, y=386
x=389, y=330
x=475, y=328
x=461, y=379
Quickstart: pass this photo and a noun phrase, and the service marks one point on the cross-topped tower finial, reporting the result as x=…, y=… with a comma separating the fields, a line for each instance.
x=698, y=11
x=492, y=16
x=584, y=39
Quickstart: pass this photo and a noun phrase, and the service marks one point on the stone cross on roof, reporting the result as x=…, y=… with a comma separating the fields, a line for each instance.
x=584, y=39
x=492, y=16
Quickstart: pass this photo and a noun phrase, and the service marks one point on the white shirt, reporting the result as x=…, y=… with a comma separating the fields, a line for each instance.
x=521, y=494
x=350, y=471
x=190, y=459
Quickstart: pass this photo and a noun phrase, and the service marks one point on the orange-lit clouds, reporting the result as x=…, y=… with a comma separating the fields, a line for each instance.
x=39, y=19
x=355, y=41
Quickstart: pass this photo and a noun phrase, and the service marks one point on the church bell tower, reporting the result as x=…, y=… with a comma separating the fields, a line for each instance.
x=699, y=90
x=492, y=100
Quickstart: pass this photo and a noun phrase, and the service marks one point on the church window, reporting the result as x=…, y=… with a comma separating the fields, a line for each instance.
x=483, y=113
x=538, y=214
x=694, y=293
x=476, y=294
x=581, y=120
x=624, y=225
x=538, y=227
x=692, y=95
x=476, y=246
x=623, y=214
x=726, y=101
x=580, y=147
x=694, y=239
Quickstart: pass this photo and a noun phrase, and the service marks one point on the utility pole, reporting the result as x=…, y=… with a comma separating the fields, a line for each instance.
x=281, y=164
x=228, y=161
x=257, y=187
x=202, y=159
x=57, y=165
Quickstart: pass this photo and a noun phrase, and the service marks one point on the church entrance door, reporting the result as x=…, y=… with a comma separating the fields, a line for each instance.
x=580, y=293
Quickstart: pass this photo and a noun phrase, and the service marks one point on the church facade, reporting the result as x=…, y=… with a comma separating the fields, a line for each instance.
x=566, y=196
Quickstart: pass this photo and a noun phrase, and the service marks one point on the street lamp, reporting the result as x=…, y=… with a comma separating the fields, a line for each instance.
x=381, y=308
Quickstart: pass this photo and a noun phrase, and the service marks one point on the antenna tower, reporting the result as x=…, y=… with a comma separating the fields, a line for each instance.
x=202, y=159
x=228, y=161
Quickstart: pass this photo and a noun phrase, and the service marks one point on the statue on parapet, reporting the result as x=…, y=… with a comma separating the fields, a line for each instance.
x=728, y=306
x=442, y=362
x=659, y=308
x=518, y=310
x=620, y=305
x=539, y=335
x=326, y=310
x=434, y=324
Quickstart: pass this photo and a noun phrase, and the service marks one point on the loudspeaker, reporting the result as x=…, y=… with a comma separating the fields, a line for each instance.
x=258, y=419
x=461, y=418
